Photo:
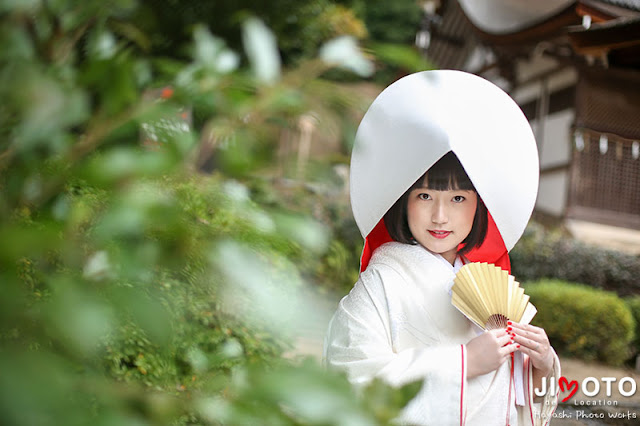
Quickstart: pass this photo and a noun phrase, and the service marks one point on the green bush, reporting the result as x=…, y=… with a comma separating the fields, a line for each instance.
x=552, y=254
x=206, y=339
x=583, y=322
x=633, y=303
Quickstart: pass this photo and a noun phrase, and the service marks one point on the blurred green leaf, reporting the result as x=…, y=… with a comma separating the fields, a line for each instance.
x=24, y=240
x=146, y=310
x=19, y=5
x=214, y=409
x=47, y=108
x=405, y=57
x=37, y=388
x=344, y=52
x=124, y=163
x=102, y=44
x=262, y=49
x=16, y=42
x=212, y=52
x=309, y=233
x=79, y=318
x=387, y=402
x=259, y=286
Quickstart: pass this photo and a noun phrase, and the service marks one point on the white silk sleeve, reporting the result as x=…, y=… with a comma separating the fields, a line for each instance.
x=360, y=343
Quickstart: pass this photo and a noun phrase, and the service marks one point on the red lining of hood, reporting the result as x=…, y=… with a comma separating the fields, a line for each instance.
x=492, y=249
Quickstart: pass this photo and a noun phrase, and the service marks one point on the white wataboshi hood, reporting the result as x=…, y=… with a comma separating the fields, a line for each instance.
x=509, y=16
x=421, y=117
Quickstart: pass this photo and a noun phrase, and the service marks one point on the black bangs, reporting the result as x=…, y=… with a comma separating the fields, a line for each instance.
x=446, y=174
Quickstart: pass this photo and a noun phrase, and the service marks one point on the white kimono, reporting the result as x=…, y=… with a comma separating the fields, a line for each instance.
x=398, y=324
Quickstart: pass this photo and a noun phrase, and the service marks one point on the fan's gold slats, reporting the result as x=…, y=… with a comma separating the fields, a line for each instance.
x=468, y=312
x=519, y=303
x=502, y=282
x=483, y=292
x=503, y=277
x=489, y=287
x=469, y=289
x=496, y=289
x=465, y=303
x=523, y=305
x=510, y=292
x=516, y=294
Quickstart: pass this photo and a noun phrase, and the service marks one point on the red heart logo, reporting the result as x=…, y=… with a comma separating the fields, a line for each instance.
x=572, y=387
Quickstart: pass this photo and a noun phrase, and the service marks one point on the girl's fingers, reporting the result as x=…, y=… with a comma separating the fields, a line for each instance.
x=526, y=330
x=534, y=334
x=528, y=351
x=528, y=343
x=508, y=349
x=504, y=339
x=542, y=361
x=533, y=342
x=529, y=335
x=531, y=352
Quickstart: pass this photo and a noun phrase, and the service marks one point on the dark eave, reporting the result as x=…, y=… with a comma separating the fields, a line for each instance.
x=605, y=36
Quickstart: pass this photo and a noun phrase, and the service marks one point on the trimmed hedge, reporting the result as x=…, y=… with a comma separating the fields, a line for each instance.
x=633, y=303
x=548, y=254
x=583, y=322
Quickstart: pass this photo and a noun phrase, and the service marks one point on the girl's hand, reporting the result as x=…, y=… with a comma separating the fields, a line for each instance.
x=488, y=351
x=534, y=342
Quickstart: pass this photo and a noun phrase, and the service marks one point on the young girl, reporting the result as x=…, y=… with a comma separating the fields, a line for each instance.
x=444, y=172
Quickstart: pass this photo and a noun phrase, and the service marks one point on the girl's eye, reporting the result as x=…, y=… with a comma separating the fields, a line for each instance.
x=424, y=196
x=458, y=199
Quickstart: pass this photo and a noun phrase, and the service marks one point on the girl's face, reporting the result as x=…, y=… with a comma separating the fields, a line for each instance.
x=441, y=220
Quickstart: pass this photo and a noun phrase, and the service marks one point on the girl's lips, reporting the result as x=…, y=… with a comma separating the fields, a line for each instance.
x=440, y=234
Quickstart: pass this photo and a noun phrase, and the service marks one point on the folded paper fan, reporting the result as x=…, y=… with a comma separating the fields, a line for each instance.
x=489, y=296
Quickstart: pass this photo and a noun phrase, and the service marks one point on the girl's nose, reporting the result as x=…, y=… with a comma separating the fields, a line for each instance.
x=439, y=213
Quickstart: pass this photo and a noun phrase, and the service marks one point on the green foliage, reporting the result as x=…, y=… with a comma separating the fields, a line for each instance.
x=335, y=268
x=551, y=254
x=407, y=58
x=583, y=322
x=339, y=269
x=390, y=22
x=300, y=27
x=396, y=60
x=633, y=303
x=392, y=28
x=135, y=289
x=306, y=395
x=315, y=23
x=340, y=265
